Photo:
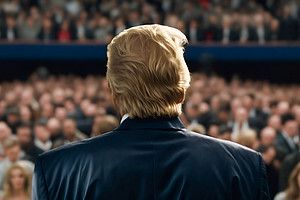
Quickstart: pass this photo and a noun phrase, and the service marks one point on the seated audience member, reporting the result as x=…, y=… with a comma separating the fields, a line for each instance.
x=283, y=107
x=225, y=132
x=9, y=30
x=257, y=117
x=81, y=31
x=223, y=114
x=289, y=27
x=60, y=113
x=54, y=126
x=194, y=32
x=247, y=138
x=286, y=140
x=293, y=190
x=107, y=124
x=213, y=130
x=269, y=155
x=267, y=137
x=64, y=34
x=24, y=135
x=26, y=114
x=13, y=118
x=287, y=165
x=198, y=128
x=191, y=112
x=29, y=29
x=17, y=184
x=47, y=31
x=5, y=132
x=13, y=154
x=206, y=115
x=47, y=111
x=241, y=122
x=275, y=122
x=72, y=110
x=246, y=32
x=42, y=137
x=70, y=133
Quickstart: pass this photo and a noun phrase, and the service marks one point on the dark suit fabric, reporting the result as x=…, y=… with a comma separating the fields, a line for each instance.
x=282, y=147
x=150, y=159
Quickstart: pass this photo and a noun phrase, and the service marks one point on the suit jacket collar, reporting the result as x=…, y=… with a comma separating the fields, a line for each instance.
x=150, y=123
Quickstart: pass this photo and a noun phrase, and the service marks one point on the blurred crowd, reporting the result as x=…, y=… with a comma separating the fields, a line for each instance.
x=48, y=111
x=201, y=20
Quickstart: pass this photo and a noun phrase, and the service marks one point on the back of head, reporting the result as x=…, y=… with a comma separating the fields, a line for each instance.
x=146, y=71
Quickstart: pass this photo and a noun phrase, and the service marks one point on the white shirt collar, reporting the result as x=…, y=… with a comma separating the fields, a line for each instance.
x=124, y=118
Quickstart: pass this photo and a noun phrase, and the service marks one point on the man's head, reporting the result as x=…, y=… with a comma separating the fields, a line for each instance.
x=289, y=124
x=5, y=131
x=69, y=128
x=267, y=136
x=12, y=148
x=146, y=71
x=24, y=133
x=54, y=126
x=41, y=132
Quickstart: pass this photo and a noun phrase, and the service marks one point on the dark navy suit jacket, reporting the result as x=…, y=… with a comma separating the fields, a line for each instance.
x=150, y=159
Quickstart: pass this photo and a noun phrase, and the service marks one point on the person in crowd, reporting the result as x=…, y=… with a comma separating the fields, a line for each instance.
x=55, y=128
x=195, y=32
x=9, y=29
x=242, y=122
x=17, y=184
x=30, y=29
x=287, y=165
x=212, y=32
x=213, y=130
x=286, y=141
x=267, y=137
x=293, y=190
x=198, y=128
x=269, y=155
x=64, y=33
x=107, y=124
x=24, y=135
x=13, y=118
x=13, y=154
x=225, y=132
x=257, y=117
x=70, y=133
x=247, y=138
x=274, y=121
x=81, y=30
x=5, y=132
x=247, y=32
x=289, y=27
x=42, y=137
x=47, y=31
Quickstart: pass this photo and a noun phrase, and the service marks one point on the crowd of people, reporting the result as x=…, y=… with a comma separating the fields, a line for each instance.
x=100, y=20
x=46, y=112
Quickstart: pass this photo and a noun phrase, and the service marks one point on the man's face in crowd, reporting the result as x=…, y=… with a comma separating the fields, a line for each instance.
x=13, y=153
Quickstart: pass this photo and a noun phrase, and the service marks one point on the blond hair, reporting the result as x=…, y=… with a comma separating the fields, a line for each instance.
x=247, y=138
x=146, y=71
x=7, y=186
x=292, y=192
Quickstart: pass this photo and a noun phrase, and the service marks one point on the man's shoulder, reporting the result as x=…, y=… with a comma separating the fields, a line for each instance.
x=75, y=148
x=219, y=144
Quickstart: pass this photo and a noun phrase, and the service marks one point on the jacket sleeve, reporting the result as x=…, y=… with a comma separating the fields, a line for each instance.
x=263, y=181
x=39, y=186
